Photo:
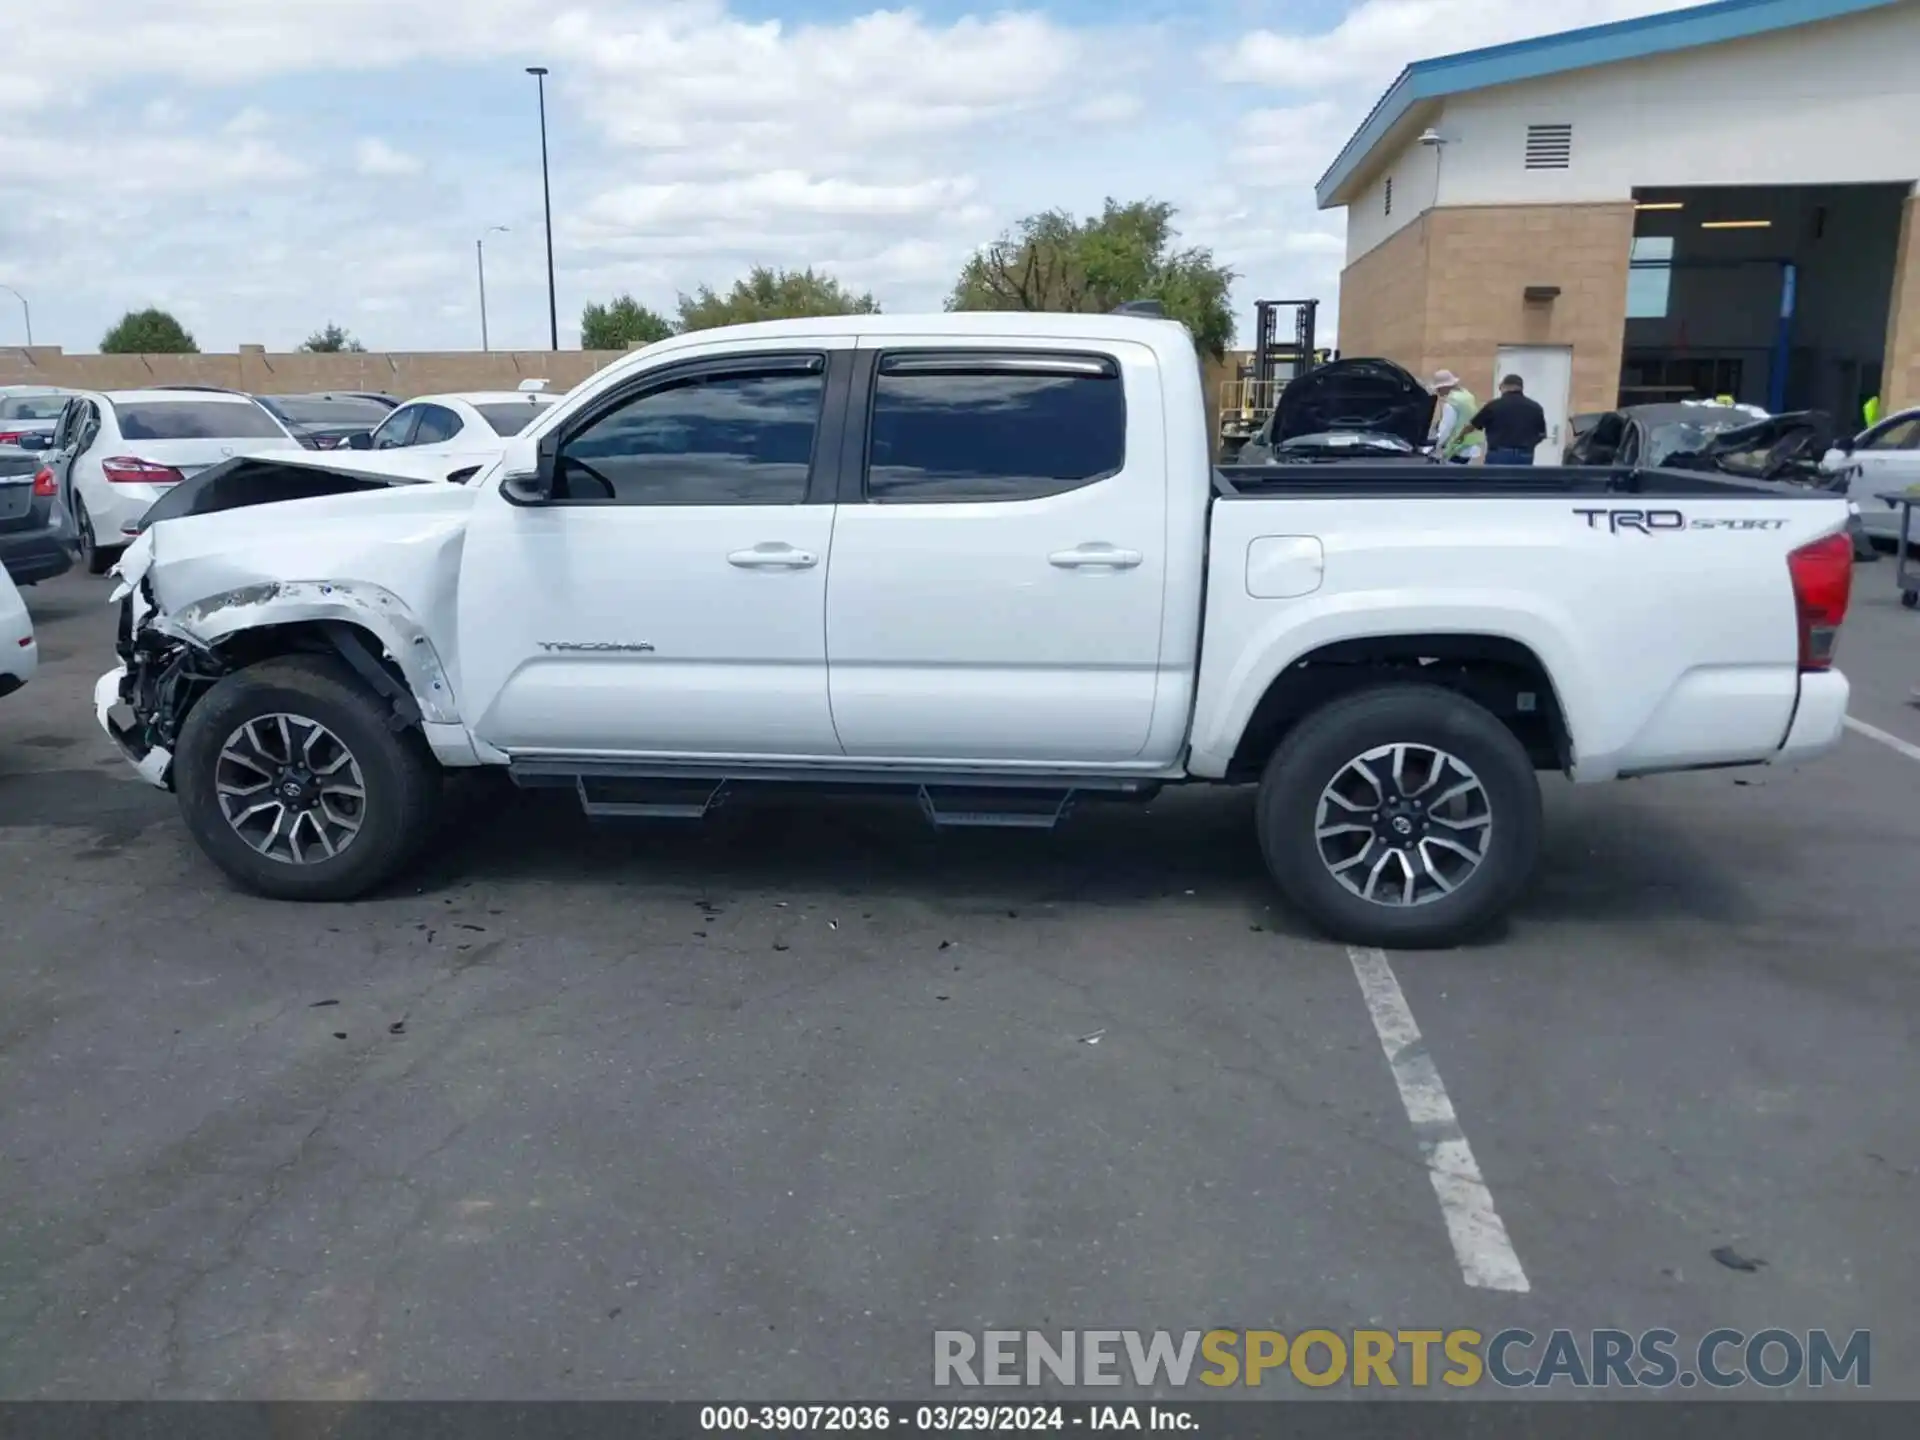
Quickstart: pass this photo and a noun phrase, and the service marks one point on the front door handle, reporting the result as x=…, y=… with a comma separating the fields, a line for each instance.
x=775, y=555
x=1088, y=556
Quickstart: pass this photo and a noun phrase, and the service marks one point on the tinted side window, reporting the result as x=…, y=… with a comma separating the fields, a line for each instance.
x=437, y=425
x=739, y=437
x=956, y=427
x=396, y=428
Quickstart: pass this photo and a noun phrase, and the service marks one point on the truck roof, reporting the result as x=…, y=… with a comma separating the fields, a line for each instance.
x=1013, y=324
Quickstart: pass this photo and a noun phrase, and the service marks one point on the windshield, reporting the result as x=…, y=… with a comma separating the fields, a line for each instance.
x=33, y=407
x=1684, y=437
x=328, y=410
x=511, y=418
x=194, y=420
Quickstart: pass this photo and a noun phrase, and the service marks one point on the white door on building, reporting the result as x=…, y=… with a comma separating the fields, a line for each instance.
x=1548, y=373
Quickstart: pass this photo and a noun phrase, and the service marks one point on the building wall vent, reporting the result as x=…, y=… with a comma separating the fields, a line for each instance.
x=1549, y=147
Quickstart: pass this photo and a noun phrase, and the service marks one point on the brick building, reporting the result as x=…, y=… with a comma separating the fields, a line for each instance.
x=1717, y=200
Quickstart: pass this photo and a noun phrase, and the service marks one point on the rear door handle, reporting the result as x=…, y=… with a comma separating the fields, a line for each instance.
x=775, y=555
x=1088, y=556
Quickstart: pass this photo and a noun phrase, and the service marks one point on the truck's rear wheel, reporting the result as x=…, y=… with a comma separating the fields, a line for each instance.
x=291, y=780
x=1403, y=816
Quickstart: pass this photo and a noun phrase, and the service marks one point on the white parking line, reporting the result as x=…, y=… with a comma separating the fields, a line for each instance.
x=1892, y=742
x=1479, y=1238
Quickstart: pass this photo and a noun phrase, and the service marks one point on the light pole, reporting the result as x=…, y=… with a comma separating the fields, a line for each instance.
x=27, y=311
x=480, y=264
x=539, y=73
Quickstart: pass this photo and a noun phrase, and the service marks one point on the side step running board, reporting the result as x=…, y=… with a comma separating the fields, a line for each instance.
x=610, y=798
x=950, y=807
x=612, y=790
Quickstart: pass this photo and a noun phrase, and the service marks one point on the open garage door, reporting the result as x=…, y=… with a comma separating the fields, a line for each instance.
x=1775, y=296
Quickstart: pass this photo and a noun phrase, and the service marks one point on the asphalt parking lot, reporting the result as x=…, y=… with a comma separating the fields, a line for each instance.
x=749, y=1110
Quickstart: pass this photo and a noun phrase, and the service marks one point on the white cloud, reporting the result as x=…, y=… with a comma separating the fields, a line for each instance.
x=689, y=141
x=373, y=156
x=747, y=95
x=1289, y=145
x=772, y=198
x=251, y=120
x=1113, y=109
x=144, y=164
x=1378, y=38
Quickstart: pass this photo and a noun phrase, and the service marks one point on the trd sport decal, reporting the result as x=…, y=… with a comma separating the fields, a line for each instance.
x=1648, y=522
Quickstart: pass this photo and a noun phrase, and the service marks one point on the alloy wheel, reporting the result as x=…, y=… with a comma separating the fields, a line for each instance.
x=1404, y=825
x=290, y=788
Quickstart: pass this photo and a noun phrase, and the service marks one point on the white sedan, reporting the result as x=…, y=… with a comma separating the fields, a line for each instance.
x=1880, y=461
x=117, y=451
x=469, y=428
x=18, y=654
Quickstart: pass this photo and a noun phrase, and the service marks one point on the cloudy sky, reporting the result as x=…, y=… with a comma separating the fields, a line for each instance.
x=260, y=167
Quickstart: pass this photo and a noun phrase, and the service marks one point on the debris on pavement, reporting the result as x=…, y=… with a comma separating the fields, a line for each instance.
x=1734, y=1260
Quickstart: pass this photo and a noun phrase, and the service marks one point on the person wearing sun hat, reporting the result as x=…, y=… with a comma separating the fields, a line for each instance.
x=1454, y=438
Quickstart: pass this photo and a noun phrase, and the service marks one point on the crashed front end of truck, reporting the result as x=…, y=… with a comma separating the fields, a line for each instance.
x=163, y=671
x=202, y=598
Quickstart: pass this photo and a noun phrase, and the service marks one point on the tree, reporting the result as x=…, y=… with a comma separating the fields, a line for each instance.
x=1053, y=261
x=148, y=332
x=622, y=322
x=772, y=295
x=332, y=341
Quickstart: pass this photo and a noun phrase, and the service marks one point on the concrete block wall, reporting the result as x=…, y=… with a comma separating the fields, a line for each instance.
x=1447, y=291
x=1900, y=376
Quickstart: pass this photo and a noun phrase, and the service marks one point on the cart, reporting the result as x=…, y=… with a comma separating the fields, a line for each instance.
x=1906, y=572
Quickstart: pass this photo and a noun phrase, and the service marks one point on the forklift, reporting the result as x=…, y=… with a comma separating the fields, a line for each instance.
x=1248, y=399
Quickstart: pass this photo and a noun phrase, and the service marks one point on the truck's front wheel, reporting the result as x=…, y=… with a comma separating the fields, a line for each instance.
x=1404, y=815
x=291, y=780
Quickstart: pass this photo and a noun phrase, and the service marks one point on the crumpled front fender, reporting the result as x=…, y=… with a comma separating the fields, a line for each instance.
x=220, y=616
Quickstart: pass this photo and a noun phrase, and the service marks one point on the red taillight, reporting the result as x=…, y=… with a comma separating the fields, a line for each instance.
x=43, y=483
x=125, y=470
x=1822, y=584
x=11, y=437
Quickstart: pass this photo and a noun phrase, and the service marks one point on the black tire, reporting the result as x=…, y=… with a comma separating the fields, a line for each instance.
x=97, y=560
x=1320, y=748
x=401, y=778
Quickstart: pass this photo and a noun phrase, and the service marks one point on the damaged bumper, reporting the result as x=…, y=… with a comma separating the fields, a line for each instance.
x=153, y=762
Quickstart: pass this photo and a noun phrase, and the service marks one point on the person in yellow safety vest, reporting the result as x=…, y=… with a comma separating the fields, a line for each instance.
x=1454, y=438
x=1870, y=412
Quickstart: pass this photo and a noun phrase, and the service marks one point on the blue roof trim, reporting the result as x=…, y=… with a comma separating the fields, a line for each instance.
x=1573, y=50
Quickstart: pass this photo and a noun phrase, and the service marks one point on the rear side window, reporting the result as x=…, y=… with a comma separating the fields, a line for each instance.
x=511, y=418
x=193, y=420
x=967, y=426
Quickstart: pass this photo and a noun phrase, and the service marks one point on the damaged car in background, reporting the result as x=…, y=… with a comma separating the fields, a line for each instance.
x=1359, y=408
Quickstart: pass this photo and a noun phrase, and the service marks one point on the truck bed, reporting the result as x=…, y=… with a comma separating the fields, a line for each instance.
x=1657, y=604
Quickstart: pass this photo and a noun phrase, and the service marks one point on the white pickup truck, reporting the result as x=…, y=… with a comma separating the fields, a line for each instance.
x=985, y=559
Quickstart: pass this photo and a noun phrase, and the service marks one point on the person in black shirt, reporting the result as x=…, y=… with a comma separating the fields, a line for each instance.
x=1514, y=424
